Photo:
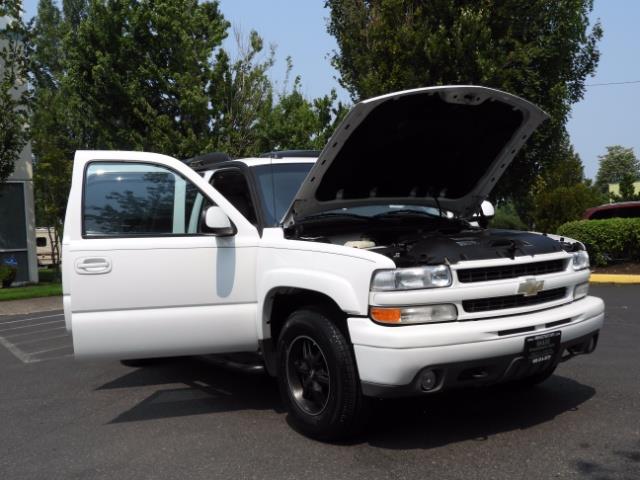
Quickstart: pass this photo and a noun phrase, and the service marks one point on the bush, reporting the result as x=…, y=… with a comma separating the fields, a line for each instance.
x=7, y=275
x=554, y=207
x=606, y=240
x=506, y=217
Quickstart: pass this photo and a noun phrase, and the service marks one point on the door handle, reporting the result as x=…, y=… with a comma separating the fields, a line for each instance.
x=93, y=265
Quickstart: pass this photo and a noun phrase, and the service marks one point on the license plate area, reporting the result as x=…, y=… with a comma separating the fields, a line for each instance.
x=542, y=348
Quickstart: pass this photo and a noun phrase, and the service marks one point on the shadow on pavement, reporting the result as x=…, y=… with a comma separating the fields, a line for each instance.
x=195, y=386
x=474, y=414
x=202, y=388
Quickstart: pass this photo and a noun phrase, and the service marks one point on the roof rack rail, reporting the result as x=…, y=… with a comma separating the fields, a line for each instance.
x=202, y=162
x=291, y=153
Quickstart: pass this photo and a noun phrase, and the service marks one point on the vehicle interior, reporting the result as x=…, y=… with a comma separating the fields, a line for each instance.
x=233, y=186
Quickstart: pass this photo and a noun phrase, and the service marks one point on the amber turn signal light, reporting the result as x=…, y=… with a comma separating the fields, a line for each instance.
x=386, y=315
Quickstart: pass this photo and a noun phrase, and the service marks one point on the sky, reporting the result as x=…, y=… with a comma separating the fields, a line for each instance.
x=608, y=114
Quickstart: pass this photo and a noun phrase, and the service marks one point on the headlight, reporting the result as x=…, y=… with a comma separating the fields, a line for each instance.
x=413, y=315
x=430, y=276
x=580, y=260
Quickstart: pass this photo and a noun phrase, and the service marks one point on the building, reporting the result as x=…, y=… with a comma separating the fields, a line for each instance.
x=614, y=188
x=17, y=216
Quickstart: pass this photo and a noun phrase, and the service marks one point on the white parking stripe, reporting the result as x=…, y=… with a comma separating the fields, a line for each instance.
x=43, y=339
x=31, y=319
x=24, y=334
x=33, y=354
x=23, y=357
x=29, y=326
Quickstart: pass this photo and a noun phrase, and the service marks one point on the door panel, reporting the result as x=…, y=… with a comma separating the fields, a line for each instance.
x=140, y=280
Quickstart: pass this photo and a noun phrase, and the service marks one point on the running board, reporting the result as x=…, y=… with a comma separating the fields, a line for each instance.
x=244, y=363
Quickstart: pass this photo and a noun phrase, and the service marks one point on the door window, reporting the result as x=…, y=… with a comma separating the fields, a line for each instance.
x=130, y=199
x=233, y=186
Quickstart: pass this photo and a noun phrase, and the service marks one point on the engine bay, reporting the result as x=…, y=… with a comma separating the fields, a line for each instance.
x=445, y=242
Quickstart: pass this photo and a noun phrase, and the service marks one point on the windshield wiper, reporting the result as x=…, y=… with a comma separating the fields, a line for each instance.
x=408, y=211
x=336, y=215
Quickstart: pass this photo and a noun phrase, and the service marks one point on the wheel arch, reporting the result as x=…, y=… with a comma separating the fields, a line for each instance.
x=280, y=302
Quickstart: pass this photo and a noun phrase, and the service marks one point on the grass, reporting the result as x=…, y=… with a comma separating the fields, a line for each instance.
x=48, y=287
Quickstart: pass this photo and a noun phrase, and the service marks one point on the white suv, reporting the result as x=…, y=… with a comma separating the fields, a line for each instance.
x=355, y=275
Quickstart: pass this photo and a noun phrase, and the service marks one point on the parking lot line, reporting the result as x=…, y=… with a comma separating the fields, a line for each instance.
x=31, y=319
x=20, y=355
x=24, y=334
x=33, y=354
x=29, y=326
x=42, y=339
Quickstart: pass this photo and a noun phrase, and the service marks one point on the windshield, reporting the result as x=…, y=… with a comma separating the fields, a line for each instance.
x=278, y=184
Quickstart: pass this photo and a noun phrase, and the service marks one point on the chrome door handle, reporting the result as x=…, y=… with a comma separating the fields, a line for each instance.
x=93, y=265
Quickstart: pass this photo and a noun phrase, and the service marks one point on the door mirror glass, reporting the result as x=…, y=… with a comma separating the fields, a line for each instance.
x=487, y=209
x=217, y=222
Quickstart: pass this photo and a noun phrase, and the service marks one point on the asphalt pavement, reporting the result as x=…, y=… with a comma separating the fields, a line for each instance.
x=188, y=418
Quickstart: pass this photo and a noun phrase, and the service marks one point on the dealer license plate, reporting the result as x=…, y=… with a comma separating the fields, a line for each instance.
x=542, y=348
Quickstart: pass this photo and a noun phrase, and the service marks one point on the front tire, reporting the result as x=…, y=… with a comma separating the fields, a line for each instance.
x=317, y=376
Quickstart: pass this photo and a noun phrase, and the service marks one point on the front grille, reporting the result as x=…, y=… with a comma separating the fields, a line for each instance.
x=512, y=301
x=469, y=275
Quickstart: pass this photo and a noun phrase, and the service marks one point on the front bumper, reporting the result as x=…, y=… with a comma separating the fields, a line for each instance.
x=390, y=357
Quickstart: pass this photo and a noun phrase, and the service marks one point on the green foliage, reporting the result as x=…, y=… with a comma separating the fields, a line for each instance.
x=627, y=190
x=14, y=92
x=139, y=73
x=54, y=138
x=606, y=240
x=241, y=93
x=541, y=50
x=507, y=217
x=125, y=74
x=5, y=272
x=619, y=162
x=296, y=122
x=562, y=204
x=31, y=291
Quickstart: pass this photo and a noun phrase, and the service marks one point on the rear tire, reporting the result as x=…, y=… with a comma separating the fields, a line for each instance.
x=317, y=376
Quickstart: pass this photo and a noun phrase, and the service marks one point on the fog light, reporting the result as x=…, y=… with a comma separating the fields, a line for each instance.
x=428, y=380
x=581, y=291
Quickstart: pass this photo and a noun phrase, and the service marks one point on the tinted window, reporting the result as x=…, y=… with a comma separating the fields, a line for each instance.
x=278, y=185
x=233, y=186
x=13, y=229
x=124, y=199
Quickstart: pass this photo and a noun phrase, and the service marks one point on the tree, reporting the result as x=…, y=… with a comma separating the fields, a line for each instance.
x=556, y=206
x=139, y=73
x=15, y=95
x=627, y=188
x=617, y=163
x=240, y=93
x=295, y=122
x=537, y=49
x=52, y=135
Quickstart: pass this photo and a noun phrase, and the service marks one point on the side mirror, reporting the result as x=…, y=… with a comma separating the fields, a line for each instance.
x=217, y=222
x=488, y=209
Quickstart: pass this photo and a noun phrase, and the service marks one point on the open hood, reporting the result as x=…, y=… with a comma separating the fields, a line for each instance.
x=445, y=146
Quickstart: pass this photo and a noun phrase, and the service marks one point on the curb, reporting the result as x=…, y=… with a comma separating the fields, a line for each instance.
x=614, y=278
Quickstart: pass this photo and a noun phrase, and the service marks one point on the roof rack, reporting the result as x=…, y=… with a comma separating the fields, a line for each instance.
x=203, y=162
x=291, y=153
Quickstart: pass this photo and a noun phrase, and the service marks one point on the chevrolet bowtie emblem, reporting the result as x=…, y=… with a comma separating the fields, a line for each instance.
x=530, y=287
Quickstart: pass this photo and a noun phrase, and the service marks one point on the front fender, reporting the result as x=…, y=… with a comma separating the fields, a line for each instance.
x=340, y=290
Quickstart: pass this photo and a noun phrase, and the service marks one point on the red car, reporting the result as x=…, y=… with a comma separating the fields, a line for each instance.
x=611, y=210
